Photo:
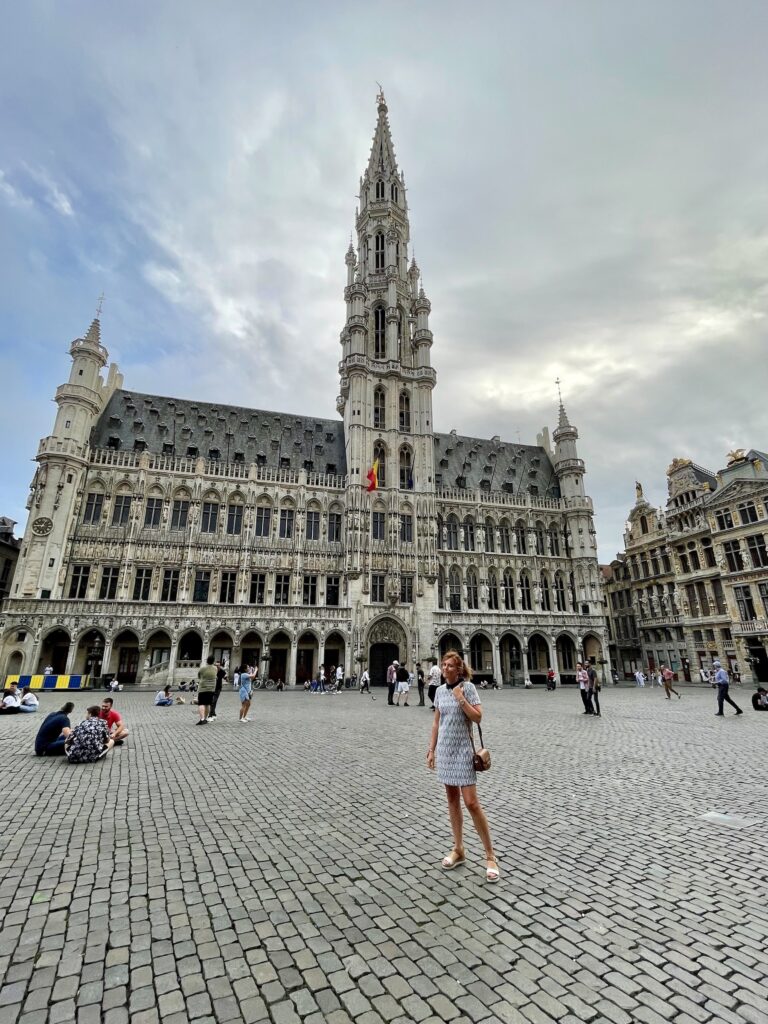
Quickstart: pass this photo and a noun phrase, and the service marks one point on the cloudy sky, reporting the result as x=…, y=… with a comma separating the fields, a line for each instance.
x=588, y=188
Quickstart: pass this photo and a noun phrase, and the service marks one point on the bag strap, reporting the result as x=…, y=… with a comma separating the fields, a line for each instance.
x=472, y=735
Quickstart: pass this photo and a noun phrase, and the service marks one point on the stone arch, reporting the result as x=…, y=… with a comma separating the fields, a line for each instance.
x=566, y=645
x=307, y=656
x=89, y=653
x=124, y=659
x=449, y=640
x=279, y=649
x=592, y=646
x=335, y=650
x=190, y=648
x=511, y=656
x=14, y=663
x=158, y=645
x=54, y=649
x=481, y=653
x=251, y=646
x=539, y=657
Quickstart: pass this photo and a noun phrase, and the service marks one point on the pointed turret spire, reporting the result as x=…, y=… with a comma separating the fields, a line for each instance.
x=94, y=332
x=382, y=160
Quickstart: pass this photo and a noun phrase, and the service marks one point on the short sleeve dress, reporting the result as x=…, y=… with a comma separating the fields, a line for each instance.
x=454, y=745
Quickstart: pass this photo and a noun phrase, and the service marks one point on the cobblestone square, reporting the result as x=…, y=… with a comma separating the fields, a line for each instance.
x=288, y=870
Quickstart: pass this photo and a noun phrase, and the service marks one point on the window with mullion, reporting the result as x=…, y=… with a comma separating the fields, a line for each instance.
x=313, y=525
x=108, y=586
x=286, y=523
x=210, y=517
x=234, y=519
x=228, y=586
x=263, y=521
x=202, y=586
x=153, y=512
x=122, y=511
x=78, y=586
x=179, y=514
x=142, y=585
x=258, y=588
x=94, y=505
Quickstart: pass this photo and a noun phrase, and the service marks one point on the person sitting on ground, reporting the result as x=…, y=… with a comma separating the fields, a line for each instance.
x=53, y=730
x=183, y=686
x=115, y=724
x=163, y=698
x=11, y=700
x=114, y=685
x=89, y=740
x=29, y=701
x=760, y=699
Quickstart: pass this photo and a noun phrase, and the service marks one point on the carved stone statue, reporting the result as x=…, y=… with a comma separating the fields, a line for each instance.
x=638, y=490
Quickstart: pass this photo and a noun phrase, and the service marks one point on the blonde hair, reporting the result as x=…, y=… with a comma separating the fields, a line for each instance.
x=465, y=671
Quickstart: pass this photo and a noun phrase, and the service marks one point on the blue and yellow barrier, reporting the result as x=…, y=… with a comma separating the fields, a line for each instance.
x=50, y=682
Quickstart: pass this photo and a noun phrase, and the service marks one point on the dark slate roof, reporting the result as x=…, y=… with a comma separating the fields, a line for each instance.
x=250, y=435
x=494, y=465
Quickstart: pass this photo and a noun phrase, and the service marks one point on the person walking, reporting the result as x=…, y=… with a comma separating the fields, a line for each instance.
x=667, y=675
x=434, y=682
x=365, y=681
x=246, y=692
x=403, y=685
x=221, y=675
x=391, y=681
x=639, y=678
x=551, y=679
x=457, y=709
x=206, y=678
x=582, y=678
x=594, y=689
x=339, y=678
x=420, y=683
x=722, y=681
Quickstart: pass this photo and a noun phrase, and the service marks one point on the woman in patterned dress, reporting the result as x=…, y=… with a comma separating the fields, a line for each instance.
x=457, y=707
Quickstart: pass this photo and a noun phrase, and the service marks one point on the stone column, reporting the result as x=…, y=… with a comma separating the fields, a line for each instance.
x=172, y=661
x=291, y=673
x=106, y=657
x=71, y=656
x=140, y=667
x=496, y=658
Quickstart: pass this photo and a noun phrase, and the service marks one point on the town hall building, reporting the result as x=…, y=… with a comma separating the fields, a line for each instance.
x=164, y=529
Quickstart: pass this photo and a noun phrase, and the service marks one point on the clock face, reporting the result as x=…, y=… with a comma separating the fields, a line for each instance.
x=42, y=526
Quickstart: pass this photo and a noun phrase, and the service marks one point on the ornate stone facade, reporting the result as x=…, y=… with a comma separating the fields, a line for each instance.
x=692, y=583
x=161, y=530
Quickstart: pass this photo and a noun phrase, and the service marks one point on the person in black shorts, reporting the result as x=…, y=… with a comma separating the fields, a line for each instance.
x=206, y=678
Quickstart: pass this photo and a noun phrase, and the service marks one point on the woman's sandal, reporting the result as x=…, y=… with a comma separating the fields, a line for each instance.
x=453, y=859
x=492, y=873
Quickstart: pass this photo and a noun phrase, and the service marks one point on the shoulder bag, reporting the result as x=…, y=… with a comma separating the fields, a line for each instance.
x=481, y=756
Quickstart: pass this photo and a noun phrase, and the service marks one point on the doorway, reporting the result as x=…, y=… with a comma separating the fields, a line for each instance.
x=381, y=657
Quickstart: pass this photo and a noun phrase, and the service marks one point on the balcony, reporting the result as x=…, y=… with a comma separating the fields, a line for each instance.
x=754, y=627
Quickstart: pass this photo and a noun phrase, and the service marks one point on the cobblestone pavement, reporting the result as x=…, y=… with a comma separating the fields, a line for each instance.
x=288, y=870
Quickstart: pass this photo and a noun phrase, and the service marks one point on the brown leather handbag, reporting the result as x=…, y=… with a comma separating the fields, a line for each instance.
x=481, y=757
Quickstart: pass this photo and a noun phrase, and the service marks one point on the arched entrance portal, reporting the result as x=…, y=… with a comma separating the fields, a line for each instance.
x=450, y=642
x=277, y=668
x=387, y=642
x=382, y=656
x=90, y=652
x=15, y=663
x=335, y=649
x=125, y=649
x=566, y=658
x=306, y=658
x=55, y=652
x=538, y=658
x=250, y=650
x=511, y=656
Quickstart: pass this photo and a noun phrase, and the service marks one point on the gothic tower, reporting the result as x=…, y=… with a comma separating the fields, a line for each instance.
x=62, y=463
x=386, y=401
x=386, y=375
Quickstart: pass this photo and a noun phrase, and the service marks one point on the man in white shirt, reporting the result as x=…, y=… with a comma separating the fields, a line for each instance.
x=339, y=678
x=582, y=678
x=434, y=682
x=365, y=682
x=11, y=700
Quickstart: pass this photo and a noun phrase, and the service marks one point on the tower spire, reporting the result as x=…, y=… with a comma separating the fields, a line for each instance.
x=382, y=161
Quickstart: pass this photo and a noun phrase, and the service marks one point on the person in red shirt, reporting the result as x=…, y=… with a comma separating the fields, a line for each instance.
x=115, y=724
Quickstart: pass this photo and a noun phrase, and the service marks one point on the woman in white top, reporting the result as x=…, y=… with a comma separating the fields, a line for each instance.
x=29, y=701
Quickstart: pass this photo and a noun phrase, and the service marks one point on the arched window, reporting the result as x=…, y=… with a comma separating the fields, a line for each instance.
x=559, y=593
x=643, y=524
x=469, y=534
x=525, y=592
x=490, y=535
x=493, y=591
x=379, y=409
x=380, y=456
x=379, y=189
x=546, y=602
x=505, y=537
x=441, y=587
x=454, y=589
x=405, y=411
x=393, y=192
x=379, y=251
x=406, y=469
x=554, y=540
x=379, y=333
x=520, y=535
x=508, y=587
x=472, y=602
x=452, y=533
